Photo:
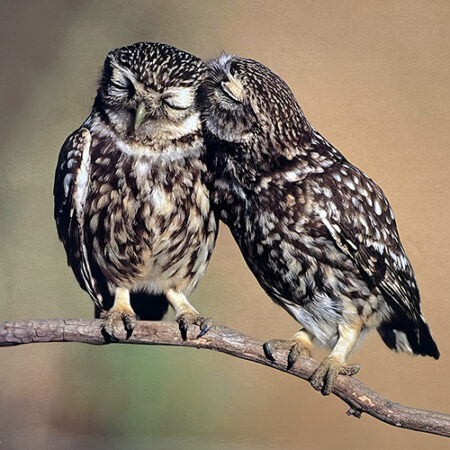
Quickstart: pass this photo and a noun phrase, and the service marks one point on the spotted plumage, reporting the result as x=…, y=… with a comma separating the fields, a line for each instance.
x=318, y=234
x=131, y=205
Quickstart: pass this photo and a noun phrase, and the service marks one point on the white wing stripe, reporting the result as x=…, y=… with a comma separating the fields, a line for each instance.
x=80, y=195
x=82, y=179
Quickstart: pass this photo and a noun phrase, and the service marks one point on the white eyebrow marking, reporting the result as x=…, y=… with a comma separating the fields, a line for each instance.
x=179, y=97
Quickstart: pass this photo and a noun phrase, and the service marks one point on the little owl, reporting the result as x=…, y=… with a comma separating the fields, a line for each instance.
x=318, y=234
x=131, y=206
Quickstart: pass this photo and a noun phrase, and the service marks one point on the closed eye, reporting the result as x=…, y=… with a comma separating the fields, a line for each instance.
x=119, y=85
x=225, y=85
x=175, y=103
x=123, y=84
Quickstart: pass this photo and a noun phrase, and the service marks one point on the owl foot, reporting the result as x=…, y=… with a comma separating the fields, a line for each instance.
x=188, y=318
x=324, y=377
x=113, y=319
x=295, y=347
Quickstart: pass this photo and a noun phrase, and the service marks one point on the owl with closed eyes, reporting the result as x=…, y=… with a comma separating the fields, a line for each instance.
x=318, y=234
x=131, y=205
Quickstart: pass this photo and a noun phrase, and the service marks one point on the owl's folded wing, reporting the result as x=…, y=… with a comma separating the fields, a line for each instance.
x=70, y=192
x=363, y=227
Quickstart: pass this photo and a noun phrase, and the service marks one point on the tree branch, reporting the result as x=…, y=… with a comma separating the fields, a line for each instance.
x=358, y=396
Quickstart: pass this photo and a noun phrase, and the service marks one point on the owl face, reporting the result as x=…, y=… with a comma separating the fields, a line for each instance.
x=228, y=101
x=243, y=98
x=149, y=89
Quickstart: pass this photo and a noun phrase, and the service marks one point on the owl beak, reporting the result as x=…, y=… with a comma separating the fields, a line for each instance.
x=140, y=115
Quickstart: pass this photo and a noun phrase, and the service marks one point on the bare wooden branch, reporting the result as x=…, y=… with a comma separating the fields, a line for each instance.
x=358, y=396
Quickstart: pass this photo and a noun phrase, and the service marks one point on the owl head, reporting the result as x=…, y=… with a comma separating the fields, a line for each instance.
x=149, y=89
x=245, y=102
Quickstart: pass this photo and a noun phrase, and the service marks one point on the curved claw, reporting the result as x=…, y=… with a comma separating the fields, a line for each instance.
x=182, y=325
x=324, y=377
x=294, y=353
x=267, y=347
x=204, y=328
x=129, y=322
x=295, y=347
x=111, y=319
x=185, y=320
x=108, y=334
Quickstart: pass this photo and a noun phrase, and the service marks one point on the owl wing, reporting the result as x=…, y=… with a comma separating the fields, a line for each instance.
x=362, y=225
x=70, y=191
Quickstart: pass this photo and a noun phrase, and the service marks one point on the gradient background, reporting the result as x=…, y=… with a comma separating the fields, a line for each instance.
x=373, y=77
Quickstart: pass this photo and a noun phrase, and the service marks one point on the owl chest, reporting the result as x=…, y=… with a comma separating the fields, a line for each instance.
x=144, y=227
x=290, y=259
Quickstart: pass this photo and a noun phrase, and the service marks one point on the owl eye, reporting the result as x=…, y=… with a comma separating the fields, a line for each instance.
x=123, y=84
x=119, y=85
x=228, y=91
x=175, y=102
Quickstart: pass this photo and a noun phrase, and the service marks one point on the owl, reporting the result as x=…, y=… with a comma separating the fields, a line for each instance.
x=131, y=205
x=318, y=234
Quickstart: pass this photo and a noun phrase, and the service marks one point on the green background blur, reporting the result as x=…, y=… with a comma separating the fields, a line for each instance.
x=373, y=77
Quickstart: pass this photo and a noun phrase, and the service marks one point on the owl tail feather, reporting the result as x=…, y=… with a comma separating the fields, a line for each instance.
x=407, y=336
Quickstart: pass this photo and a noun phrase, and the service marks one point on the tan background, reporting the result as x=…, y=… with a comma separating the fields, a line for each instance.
x=373, y=77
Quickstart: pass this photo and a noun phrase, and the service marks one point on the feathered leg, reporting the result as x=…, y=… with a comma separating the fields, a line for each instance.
x=325, y=375
x=121, y=312
x=186, y=314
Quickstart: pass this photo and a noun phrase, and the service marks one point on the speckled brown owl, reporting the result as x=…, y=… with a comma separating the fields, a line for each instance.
x=131, y=206
x=318, y=234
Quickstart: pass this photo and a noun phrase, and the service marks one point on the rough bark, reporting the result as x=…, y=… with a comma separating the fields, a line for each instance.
x=358, y=396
